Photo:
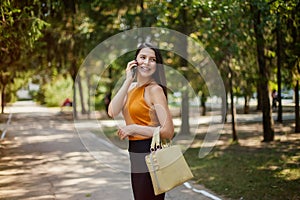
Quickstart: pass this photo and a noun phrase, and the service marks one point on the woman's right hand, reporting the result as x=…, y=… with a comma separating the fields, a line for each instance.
x=118, y=101
x=130, y=65
x=126, y=131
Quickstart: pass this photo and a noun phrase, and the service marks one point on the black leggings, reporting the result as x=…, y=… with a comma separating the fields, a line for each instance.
x=140, y=177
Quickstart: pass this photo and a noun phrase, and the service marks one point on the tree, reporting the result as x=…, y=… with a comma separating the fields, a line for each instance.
x=259, y=10
x=287, y=50
x=182, y=16
x=225, y=38
x=20, y=28
x=292, y=19
x=279, y=61
x=76, y=28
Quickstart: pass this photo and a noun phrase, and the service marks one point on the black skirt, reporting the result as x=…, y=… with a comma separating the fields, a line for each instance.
x=140, y=177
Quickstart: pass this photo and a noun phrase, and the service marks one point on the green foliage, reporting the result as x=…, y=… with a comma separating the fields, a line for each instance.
x=55, y=92
x=20, y=28
x=72, y=29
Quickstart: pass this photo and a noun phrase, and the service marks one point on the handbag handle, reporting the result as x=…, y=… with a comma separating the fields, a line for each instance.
x=155, y=143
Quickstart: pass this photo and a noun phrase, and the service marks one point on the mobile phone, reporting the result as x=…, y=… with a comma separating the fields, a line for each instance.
x=133, y=70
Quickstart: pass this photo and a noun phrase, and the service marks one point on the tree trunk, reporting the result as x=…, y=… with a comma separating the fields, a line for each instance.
x=74, y=101
x=297, y=117
x=3, y=98
x=232, y=107
x=185, y=125
x=203, y=100
x=225, y=104
x=297, y=71
x=259, y=100
x=279, y=49
x=108, y=94
x=89, y=103
x=83, y=110
x=73, y=75
x=73, y=53
x=183, y=43
x=268, y=134
x=246, y=105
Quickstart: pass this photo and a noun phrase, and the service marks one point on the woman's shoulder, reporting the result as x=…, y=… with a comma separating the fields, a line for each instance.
x=154, y=88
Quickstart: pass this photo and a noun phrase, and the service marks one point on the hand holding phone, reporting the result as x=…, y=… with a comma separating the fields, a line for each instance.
x=133, y=70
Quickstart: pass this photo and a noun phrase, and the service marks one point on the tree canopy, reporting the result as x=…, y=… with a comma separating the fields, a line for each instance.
x=255, y=43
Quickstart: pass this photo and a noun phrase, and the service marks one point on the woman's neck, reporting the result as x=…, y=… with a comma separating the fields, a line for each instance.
x=143, y=82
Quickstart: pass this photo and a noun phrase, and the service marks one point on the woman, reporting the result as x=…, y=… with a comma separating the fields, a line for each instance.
x=144, y=106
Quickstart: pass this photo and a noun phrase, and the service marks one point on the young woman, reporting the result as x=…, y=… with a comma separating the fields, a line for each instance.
x=144, y=106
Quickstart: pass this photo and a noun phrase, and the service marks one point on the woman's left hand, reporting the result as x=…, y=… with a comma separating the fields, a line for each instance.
x=126, y=131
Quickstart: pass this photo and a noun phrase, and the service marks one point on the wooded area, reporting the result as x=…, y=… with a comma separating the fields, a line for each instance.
x=254, y=43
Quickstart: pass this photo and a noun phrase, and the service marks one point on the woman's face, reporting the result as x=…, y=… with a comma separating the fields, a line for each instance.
x=147, y=62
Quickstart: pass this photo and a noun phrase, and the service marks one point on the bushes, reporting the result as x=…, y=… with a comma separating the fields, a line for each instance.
x=54, y=93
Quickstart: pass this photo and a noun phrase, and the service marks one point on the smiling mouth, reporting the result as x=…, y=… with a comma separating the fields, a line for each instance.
x=145, y=68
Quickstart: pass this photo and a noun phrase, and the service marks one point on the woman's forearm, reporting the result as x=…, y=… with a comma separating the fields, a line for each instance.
x=118, y=100
x=147, y=131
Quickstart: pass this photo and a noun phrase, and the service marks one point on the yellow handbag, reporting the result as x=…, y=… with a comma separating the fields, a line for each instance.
x=166, y=165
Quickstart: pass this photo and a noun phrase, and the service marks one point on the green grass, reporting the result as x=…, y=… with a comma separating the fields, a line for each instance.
x=239, y=172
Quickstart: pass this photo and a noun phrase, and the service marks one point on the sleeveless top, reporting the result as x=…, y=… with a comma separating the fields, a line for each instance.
x=137, y=111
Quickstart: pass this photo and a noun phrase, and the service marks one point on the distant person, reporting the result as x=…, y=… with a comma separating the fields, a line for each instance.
x=66, y=103
x=274, y=99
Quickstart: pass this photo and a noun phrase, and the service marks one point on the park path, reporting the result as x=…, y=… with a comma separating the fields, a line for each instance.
x=42, y=157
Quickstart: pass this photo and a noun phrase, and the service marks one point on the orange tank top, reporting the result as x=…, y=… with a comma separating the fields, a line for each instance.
x=137, y=111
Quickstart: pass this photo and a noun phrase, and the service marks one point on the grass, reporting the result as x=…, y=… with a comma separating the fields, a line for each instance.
x=240, y=173
x=250, y=171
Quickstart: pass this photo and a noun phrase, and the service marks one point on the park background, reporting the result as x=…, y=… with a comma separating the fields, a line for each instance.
x=255, y=45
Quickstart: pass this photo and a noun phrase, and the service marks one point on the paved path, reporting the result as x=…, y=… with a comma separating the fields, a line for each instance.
x=42, y=157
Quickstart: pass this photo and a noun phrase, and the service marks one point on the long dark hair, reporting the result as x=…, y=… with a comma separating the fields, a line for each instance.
x=159, y=75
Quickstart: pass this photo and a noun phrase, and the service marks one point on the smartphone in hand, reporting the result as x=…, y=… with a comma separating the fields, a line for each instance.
x=133, y=70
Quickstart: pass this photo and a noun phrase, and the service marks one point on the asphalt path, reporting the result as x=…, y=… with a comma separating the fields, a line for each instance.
x=43, y=156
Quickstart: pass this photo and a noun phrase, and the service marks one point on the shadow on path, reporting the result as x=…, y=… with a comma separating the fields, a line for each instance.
x=42, y=157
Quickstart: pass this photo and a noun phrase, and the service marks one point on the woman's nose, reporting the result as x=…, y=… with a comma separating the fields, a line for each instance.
x=146, y=61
